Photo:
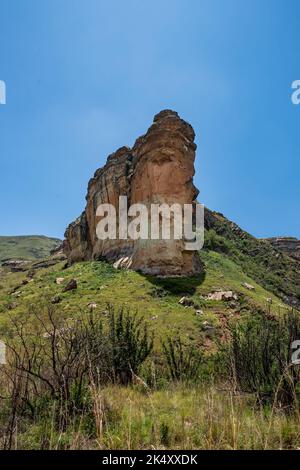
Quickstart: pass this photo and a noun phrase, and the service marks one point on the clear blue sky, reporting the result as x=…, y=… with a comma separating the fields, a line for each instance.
x=84, y=77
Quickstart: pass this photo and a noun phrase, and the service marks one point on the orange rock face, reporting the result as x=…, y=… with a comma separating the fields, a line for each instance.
x=158, y=169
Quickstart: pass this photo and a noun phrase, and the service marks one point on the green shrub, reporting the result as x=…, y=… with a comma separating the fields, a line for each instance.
x=260, y=357
x=57, y=363
x=183, y=361
x=129, y=345
x=215, y=242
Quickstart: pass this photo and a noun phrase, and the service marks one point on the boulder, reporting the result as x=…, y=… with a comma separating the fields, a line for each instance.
x=12, y=306
x=248, y=286
x=222, y=295
x=186, y=302
x=72, y=285
x=92, y=305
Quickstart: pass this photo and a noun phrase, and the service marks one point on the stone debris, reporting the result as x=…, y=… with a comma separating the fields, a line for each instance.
x=55, y=300
x=222, y=295
x=248, y=286
x=72, y=285
x=199, y=313
x=92, y=305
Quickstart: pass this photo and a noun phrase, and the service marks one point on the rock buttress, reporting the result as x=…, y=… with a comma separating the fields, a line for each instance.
x=158, y=169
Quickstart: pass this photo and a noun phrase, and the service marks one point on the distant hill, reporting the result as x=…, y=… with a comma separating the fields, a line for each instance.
x=32, y=247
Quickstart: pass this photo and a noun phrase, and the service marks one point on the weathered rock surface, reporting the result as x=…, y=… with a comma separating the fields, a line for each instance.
x=222, y=295
x=248, y=286
x=158, y=169
x=16, y=265
x=288, y=245
x=72, y=285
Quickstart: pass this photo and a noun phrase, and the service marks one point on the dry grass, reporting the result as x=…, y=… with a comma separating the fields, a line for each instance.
x=176, y=418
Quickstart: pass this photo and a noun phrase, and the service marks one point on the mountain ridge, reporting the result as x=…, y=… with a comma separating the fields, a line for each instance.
x=26, y=247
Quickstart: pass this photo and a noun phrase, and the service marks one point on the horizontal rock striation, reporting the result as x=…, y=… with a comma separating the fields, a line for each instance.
x=288, y=245
x=158, y=169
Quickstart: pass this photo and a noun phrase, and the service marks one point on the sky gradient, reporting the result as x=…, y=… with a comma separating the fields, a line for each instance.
x=86, y=77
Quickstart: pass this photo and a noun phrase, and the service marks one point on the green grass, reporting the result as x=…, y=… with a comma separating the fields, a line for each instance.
x=157, y=300
x=275, y=271
x=31, y=247
x=178, y=417
x=231, y=257
x=171, y=416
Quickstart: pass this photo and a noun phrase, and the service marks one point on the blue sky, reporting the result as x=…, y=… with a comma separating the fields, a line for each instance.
x=86, y=77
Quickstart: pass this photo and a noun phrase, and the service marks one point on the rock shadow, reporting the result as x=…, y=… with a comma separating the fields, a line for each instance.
x=177, y=285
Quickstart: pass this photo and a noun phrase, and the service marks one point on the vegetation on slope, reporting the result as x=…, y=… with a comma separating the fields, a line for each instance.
x=90, y=383
x=270, y=268
x=177, y=417
x=205, y=382
x=30, y=247
x=156, y=299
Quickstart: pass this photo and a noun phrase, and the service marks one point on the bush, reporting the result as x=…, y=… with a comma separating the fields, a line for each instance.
x=183, y=361
x=53, y=361
x=129, y=345
x=217, y=243
x=260, y=358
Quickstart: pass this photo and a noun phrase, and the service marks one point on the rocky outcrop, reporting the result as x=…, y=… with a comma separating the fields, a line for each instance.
x=258, y=258
x=288, y=245
x=158, y=169
x=15, y=265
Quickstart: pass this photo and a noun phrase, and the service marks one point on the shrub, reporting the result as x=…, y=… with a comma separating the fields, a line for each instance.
x=260, y=357
x=215, y=242
x=183, y=361
x=54, y=361
x=129, y=345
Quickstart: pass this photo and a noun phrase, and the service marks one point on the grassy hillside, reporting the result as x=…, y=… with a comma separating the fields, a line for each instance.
x=208, y=406
x=272, y=269
x=30, y=247
x=157, y=300
x=152, y=412
x=232, y=259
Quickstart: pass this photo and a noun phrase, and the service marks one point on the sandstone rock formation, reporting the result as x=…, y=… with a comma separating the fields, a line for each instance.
x=158, y=169
x=288, y=245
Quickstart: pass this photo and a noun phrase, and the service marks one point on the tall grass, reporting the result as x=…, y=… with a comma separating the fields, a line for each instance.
x=88, y=384
x=178, y=417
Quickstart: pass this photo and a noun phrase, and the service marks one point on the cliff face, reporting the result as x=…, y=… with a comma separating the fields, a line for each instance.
x=158, y=169
x=288, y=245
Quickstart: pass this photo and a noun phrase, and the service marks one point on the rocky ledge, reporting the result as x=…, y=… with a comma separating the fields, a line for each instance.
x=288, y=245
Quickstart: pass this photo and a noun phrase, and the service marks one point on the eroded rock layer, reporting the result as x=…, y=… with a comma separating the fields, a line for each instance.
x=158, y=169
x=288, y=245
